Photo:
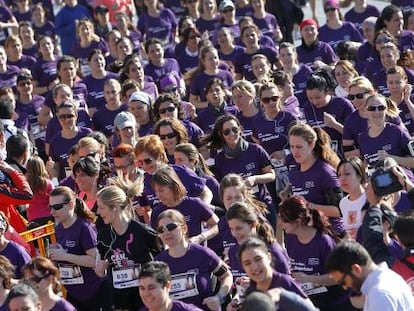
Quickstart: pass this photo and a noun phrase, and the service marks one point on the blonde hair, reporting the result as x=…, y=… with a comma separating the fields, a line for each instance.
x=245, y=86
x=86, y=22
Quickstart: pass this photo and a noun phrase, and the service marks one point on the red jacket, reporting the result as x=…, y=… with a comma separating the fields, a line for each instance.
x=406, y=272
x=17, y=193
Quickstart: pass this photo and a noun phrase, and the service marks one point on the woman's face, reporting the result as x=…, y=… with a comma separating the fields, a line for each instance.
x=63, y=95
x=15, y=48
x=231, y=133
x=309, y=33
x=140, y=111
x=348, y=178
x=287, y=57
x=46, y=47
x=124, y=164
x=242, y=100
x=240, y=230
x=121, y=21
x=396, y=83
x=211, y=60
x=318, y=98
x=97, y=62
x=173, y=237
x=136, y=72
x=343, y=77
x=300, y=148
x=395, y=24
x=331, y=13
x=224, y=38
x=270, y=100
x=61, y=208
x=84, y=181
x=388, y=57
x=250, y=37
x=231, y=195
x=193, y=41
x=112, y=94
x=209, y=5
x=89, y=151
x=368, y=31
x=260, y=67
x=182, y=159
x=257, y=4
x=289, y=227
x=67, y=118
x=168, y=110
x=376, y=111
x=153, y=294
x=147, y=163
x=257, y=264
x=23, y=303
x=216, y=95
x=107, y=213
x=123, y=49
x=165, y=194
x=113, y=39
x=358, y=97
x=169, y=138
x=26, y=33
x=84, y=32
x=25, y=87
x=38, y=15
x=67, y=72
x=155, y=52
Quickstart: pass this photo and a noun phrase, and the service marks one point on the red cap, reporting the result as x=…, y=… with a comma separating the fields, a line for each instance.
x=308, y=22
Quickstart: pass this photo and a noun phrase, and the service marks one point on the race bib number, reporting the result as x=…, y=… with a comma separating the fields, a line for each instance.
x=125, y=277
x=313, y=289
x=70, y=274
x=184, y=285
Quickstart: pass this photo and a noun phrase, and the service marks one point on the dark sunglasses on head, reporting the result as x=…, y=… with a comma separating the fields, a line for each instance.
x=58, y=206
x=169, y=136
x=169, y=109
x=226, y=10
x=65, y=116
x=267, y=100
x=169, y=227
x=329, y=10
x=359, y=96
x=377, y=108
x=383, y=40
x=234, y=129
x=145, y=161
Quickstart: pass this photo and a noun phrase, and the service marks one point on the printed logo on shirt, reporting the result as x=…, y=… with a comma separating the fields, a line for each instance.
x=309, y=184
x=313, y=261
x=70, y=244
x=250, y=166
x=386, y=147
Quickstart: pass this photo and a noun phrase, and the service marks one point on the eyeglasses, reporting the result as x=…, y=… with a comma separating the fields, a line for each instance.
x=58, y=206
x=145, y=161
x=227, y=10
x=329, y=10
x=359, y=96
x=169, y=109
x=169, y=136
x=234, y=129
x=377, y=108
x=169, y=227
x=172, y=89
x=65, y=116
x=383, y=40
x=267, y=100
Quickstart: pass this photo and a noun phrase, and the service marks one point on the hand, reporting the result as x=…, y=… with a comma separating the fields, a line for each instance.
x=192, y=111
x=402, y=178
x=5, y=167
x=56, y=252
x=197, y=239
x=101, y=266
x=213, y=302
x=243, y=281
x=251, y=181
x=278, y=155
x=329, y=120
x=382, y=154
x=318, y=64
x=50, y=164
x=408, y=89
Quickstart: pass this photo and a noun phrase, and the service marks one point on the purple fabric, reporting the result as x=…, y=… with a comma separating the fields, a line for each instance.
x=155, y=72
x=195, y=212
x=69, y=182
x=222, y=241
x=245, y=11
x=25, y=62
x=178, y=305
x=404, y=5
x=82, y=53
x=9, y=78
x=176, y=6
x=48, y=29
x=247, y=125
x=323, y=52
x=243, y=65
x=348, y=32
x=366, y=55
x=80, y=93
x=267, y=25
x=209, y=26
x=338, y=107
x=406, y=116
x=194, y=133
x=95, y=97
x=145, y=129
x=357, y=18
x=379, y=80
x=406, y=40
x=187, y=62
x=299, y=80
x=229, y=58
x=5, y=16
x=273, y=134
x=17, y=255
x=207, y=116
x=103, y=119
x=59, y=148
x=199, y=82
x=20, y=17
x=197, y=259
x=314, y=183
x=44, y=72
x=63, y=305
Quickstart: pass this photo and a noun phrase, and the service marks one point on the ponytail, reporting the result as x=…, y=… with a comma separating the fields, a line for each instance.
x=323, y=149
x=82, y=211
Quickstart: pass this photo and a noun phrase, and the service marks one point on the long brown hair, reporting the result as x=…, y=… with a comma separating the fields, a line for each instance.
x=37, y=175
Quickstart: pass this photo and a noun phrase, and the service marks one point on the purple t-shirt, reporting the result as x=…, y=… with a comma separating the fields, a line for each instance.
x=59, y=148
x=347, y=32
x=187, y=62
x=95, y=97
x=193, y=270
x=393, y=139
x=224, y=240
x=63, y=305
x=5, y=16
x=242, y=63
x=299, y=80
x=280, y=260
x=207, y=116
x=82, y=54
x=406, y=40
x=406, y=116
x=193, y=184
x=314, y=183
x=379, y=80
x=48, y=29
x=323, y=52
x=69, y=182
x=209, y=26
x=195, y=211
x=267, y=25
x=178, y=305
x=357, y=18
x=404, y=5
x=17, y=255
x=44, y=72
x=273, y=134
x=229, y=58
x=80, y=93
x=170, y=66
x=366, y=55
x=9, y=78
x=77, y=239
x=247, y=124
x=199, y=82
x=340, y=108
x=24, y=62
x=103, y=119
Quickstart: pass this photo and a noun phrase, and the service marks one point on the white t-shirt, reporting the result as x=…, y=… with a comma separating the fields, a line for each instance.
x=352, y=214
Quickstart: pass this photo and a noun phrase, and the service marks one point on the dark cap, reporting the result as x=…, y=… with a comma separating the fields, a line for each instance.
x=101, y=9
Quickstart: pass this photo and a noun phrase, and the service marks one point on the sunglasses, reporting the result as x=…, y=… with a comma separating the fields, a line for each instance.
x=267, y=100
x=169, y=136
x=359, y=96
x=172, y=89
x=383, y=40
x=58, y=206
x=169, y=109
x=228, y=10
x=377, y=108
x=169, y=227
x=145, y=161
x=329, y=10
x=234, y=129
x=65, y=116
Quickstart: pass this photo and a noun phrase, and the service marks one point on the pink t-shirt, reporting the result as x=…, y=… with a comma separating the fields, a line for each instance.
x=39, y=205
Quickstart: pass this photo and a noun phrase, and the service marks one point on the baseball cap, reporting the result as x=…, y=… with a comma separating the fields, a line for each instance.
x=101, y=9
x=225, y=4
x=124, y=119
